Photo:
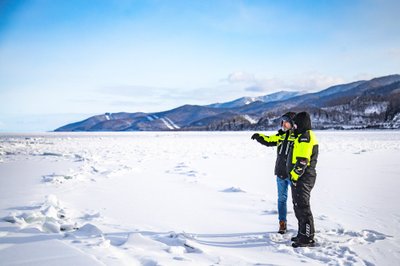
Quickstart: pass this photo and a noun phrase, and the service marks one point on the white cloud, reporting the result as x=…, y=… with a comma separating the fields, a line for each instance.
x=240, y=77
x=312, y=81
x=317, y=81
x=134, y=98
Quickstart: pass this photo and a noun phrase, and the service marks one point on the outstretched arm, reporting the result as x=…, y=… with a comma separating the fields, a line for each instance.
x=269, y=141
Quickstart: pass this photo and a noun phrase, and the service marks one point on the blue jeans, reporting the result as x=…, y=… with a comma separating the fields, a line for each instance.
x=282, y=185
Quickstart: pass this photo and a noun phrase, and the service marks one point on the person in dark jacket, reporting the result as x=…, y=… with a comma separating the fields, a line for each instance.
x=282, y=140
x=301, y=163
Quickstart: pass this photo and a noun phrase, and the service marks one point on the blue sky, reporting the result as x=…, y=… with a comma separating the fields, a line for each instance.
x=62, y=61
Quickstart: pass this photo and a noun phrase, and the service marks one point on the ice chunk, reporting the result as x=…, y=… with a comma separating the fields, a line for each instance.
x=50, y=212
x=68, y=227
x=178, y=250
x=10, y=219
x=51, y=200
x=51, y=227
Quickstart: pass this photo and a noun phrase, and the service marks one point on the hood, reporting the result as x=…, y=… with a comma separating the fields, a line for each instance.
x=303, y=122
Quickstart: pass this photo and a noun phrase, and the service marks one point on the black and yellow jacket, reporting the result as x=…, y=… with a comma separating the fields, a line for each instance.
x=283, y=141
x=303, y=155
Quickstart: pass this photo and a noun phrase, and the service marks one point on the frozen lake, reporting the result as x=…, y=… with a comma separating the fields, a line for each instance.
x=191, y=198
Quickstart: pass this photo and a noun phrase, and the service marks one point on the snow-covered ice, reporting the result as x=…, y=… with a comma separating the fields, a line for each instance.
x=191, y=198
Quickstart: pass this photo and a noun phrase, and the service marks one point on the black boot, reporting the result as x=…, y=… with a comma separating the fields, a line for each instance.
x=295, y=238
x=303, y=242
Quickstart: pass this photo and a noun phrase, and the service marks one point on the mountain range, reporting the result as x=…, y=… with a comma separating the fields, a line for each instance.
x=362, y=104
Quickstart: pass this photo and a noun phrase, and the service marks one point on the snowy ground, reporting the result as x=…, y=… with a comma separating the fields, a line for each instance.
x=191, y=199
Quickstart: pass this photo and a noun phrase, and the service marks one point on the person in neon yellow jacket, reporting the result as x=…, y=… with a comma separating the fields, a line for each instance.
x=282, y=140
x=301, y=164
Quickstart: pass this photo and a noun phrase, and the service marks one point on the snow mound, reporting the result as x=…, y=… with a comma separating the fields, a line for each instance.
x=233, y=189
x=138, y=240
x=91, y=216
x=87, y=231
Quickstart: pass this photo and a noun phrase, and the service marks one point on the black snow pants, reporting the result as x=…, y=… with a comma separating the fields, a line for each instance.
x=301, y=203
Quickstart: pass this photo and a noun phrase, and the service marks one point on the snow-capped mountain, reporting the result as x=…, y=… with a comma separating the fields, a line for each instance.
x=235, y=103
x=362, y=104
x=277, y=96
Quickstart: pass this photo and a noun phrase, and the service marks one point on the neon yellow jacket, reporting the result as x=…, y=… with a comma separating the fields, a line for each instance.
x=274, y=140
x=303, y=156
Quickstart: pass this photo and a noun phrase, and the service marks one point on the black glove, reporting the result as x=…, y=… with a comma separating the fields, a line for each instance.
x=255, y=136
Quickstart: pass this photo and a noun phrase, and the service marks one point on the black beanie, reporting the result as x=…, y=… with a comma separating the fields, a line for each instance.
x=288, y=117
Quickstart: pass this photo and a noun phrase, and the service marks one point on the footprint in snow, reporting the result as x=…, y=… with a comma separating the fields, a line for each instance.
x=360, y=151
x=335, y=246
x=270, y=212
x=58, y=179
x=183, y=169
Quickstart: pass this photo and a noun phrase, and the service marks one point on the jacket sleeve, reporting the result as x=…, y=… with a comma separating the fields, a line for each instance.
x=270, y=141
x=302, y=153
